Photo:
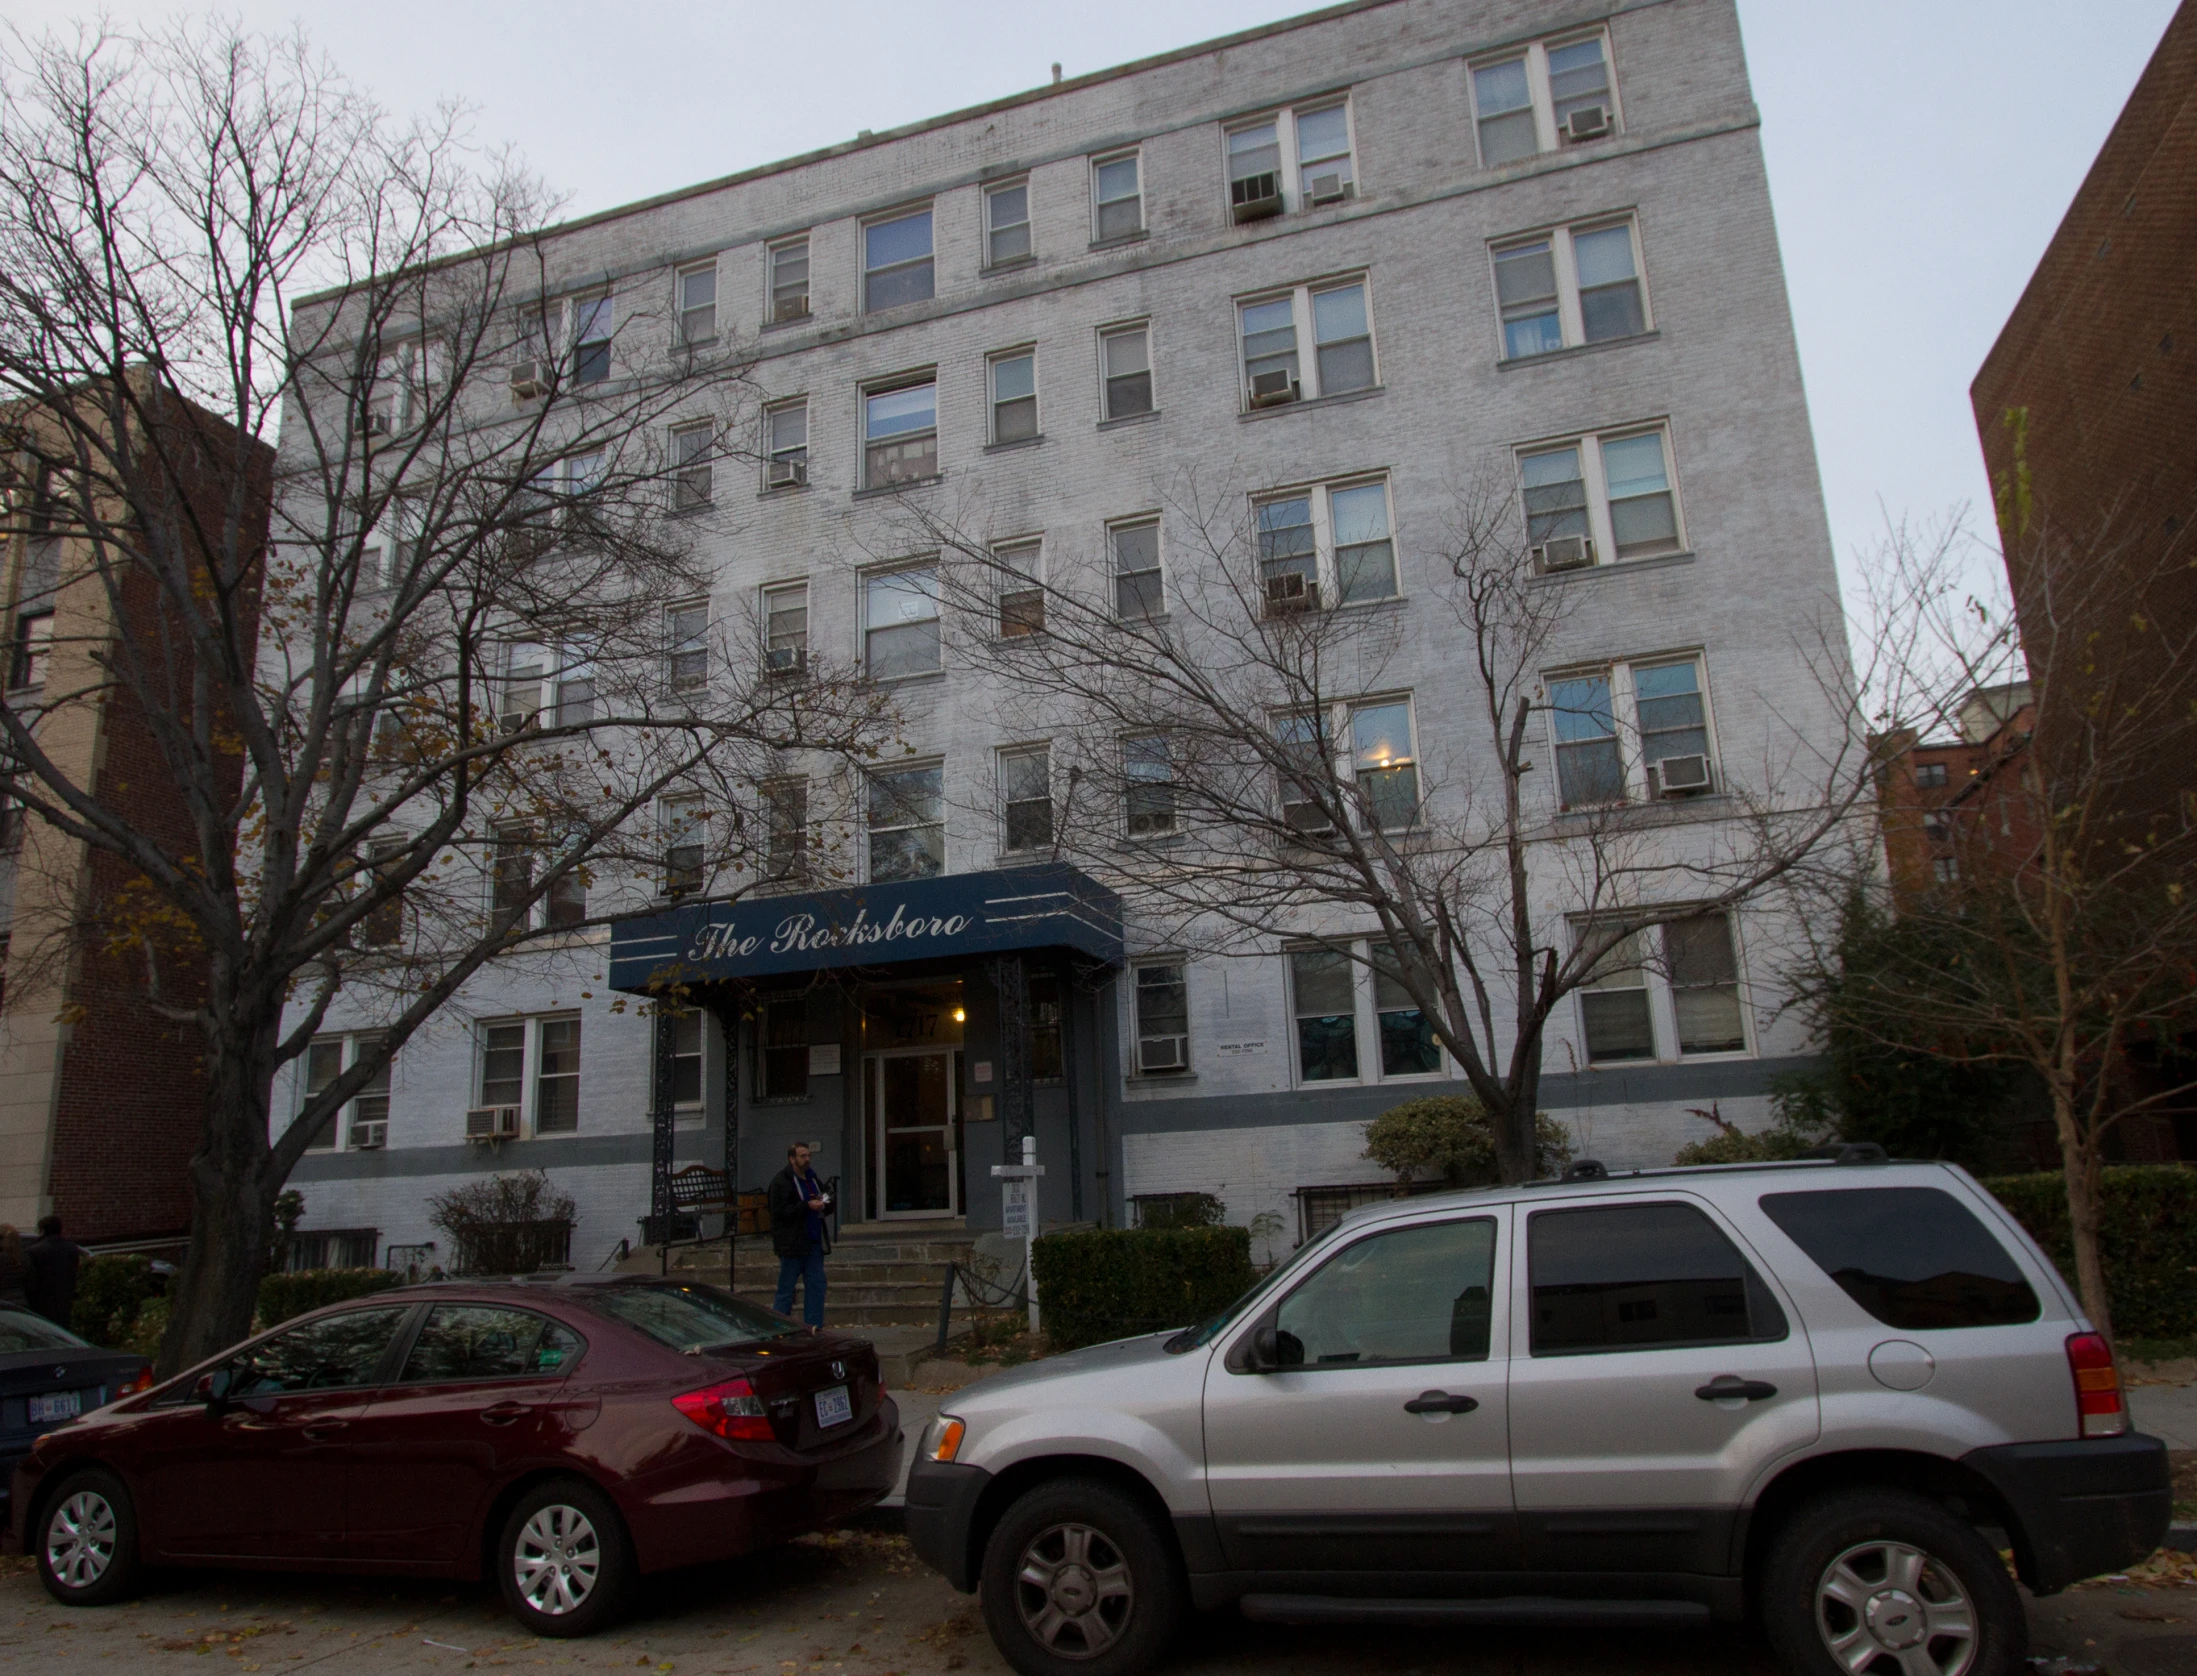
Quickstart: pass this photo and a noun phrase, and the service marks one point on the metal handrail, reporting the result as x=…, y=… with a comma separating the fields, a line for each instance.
x=1015, y=1293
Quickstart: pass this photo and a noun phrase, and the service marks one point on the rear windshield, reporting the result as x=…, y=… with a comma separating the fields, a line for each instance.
x=689, y=1318
x=20, y=1332
x=1913, y=1257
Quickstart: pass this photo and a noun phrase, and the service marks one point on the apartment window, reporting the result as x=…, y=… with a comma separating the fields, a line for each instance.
x=512, y=859
x=1163, y=1018
x=900, y=623
x=1590, y=768
x=1600, y=499
x=789, y=279
x=1326, y=543
x=1021, y=589
x=537, y=1056
x=786, y=445
x=503, y=1065
x=1014, y=396
x=572, y=688
x=698, y=303
x=1117, y=192
x=1631, y=730
x=33, y=648
x=1006, y=224
x=363, y=1124
x=1636, y=1005
x=405, y=379
x=691, y=450
x=1552, y=94
x=1148, y=777
x=782, y=1056
x=684, y=823
x=557, y=1077
x=900, y=434
x=1342, y=338
x=519, y=703
x=1306, y=784
x=1930, y=776
x=1297, y=159
x=786, y=628
x=1945, y=869
x=1378, y=763
x=907, y=821
x=686, y=647
x=591, y=333
x=1125, y=360
x=383, y=928
x=896, y=261
x=1383, y=765
x=786, y=827
x=1138, y=588
x=1408, y=1048
x=1026, y=798
x=686, y=1065
x=1323, y=995
x=1571, y=286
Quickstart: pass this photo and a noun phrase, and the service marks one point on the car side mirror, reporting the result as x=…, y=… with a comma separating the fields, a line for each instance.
x=212, y=1389
x=1266, y=1352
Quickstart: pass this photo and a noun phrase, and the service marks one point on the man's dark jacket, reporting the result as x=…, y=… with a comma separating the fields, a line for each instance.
x=789, y=1216
x=52, y=1287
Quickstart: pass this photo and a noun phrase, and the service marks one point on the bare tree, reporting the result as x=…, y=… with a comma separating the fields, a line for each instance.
x=1229, y=767
x=431, y=717
x=2046, y=922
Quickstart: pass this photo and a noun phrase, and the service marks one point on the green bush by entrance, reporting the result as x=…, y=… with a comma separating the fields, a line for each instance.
x=2147, y=1236
x=1105, y=1284
x=284, y=1295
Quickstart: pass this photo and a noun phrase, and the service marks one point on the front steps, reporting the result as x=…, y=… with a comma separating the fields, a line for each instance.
x=879, y=1274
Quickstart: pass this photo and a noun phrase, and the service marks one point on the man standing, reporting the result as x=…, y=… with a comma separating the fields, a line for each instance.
x=797, y=1206
x=53, y=1262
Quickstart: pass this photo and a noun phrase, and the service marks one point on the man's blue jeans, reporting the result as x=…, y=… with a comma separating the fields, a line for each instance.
x=809, y=1271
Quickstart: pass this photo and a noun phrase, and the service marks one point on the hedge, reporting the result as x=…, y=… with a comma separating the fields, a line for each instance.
x=2147, y=1236
x=1107, y=1284
x=284, y=1295
x=109, y=1292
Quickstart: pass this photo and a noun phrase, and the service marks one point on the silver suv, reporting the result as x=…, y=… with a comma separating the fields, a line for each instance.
x=1823, y=1393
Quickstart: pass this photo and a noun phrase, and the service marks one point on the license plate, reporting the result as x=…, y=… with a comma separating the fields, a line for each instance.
x=64, y=1405
x=834, y=1407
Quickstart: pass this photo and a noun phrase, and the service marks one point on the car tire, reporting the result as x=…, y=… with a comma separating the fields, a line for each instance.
x=1890, y=1568
x=86, y=1540
x=1079, y=1580
x=563, y=1559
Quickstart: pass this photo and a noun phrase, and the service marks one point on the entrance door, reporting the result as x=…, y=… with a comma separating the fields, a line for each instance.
x=915, y=1106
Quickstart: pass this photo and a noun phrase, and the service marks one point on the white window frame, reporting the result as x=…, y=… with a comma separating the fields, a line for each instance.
x=906, y=212
x=1622, y=675
x=1341, y=740
x=540, y=910
x=893, y=387
x=682, y=644
x=992, y=363
x=530, y=1068
x=1365, y=1021
x=790, y=865
x=1285, y=120
x=1662, y=1002
x=775, y=598
x=937, y=617
x=682, y=815
x=1001, y=759
x=1180, y=965
x=870, y=829
x=774, y=452
x=1131, y=780
x=404, y=380
x=1304, y=327
x=1129, y=154
x=347, y=1044
x=1021, y=558
x=993, y=191
x=1123, y=329
x=1535, y=55
x=1569, y=312
x=1323, y=535
x=1114, y=573
x=773, y=313
x=681, y=308
x=1599, y=524
x=693, y=481
x=582, y=308
x=690, y=1113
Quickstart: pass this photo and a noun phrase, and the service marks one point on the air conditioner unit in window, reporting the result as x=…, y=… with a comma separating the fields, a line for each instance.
x=1588, y=122
x=1290, y=592
x=1564, y=552
x=785, y=660
x=1255, y=197
x=491, y=1123
x=372, y=421
x=1162, y=1053
x=786, y=474
x=370, y=1136
x=1327, y=189
x=1680, y=776
x=528, y=380
x=790, y=308
x=1272, y=389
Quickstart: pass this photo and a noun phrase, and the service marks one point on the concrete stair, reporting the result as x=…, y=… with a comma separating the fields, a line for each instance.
x=880, y=1274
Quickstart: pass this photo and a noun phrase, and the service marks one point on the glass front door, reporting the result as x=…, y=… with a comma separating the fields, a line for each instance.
x=915, y=1112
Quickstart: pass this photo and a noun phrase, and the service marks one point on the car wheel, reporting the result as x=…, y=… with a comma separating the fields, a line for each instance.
x=87, y=1540
x=564, y=1562
x=1079, y=1581
x=1887, y=1583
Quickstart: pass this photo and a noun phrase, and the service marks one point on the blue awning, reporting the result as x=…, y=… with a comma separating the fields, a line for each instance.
x=1050, y=906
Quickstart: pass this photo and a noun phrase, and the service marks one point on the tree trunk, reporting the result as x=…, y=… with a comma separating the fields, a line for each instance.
x=2080, y=1166
x=234, y=1185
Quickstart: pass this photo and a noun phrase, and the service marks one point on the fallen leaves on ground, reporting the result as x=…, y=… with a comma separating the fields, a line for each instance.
x=2168, y=1568
x=231, y=1636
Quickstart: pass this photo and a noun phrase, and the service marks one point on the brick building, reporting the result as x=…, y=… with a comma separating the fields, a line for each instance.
x=101, y=1098
x=1469, y=235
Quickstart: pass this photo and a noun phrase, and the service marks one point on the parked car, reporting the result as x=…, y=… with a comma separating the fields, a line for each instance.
x=1827, y=1393
x=562, y=1436
x=48, y=1376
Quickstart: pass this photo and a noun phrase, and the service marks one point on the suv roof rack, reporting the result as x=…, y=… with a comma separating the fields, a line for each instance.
x=1851, y=1152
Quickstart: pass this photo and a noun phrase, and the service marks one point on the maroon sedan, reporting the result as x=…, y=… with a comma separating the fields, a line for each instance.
x=566, y=1436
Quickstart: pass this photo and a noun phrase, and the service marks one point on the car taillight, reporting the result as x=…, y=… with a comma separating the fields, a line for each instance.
x=2097, y=1386
x=130, y=1387
x=731, y=1409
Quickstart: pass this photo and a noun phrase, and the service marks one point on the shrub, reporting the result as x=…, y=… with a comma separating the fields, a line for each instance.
x=109, y=1293
x=1179, y=1210
x=1117, y=1283
x=2147, y=1238
x=1789, y=1137
x=283, y=1295
x=511, y=1224
x=1447, y=1137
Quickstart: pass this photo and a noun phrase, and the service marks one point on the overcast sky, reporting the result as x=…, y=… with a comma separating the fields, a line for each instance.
x=1921, y=152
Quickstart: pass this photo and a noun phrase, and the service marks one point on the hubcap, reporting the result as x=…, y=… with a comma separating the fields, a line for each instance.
x=556, y=1560
x=80, y=1540
x=1074, y=1591
x=1887, y=1609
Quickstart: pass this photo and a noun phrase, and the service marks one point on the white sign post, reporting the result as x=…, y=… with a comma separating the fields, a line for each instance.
x=1018, y=1212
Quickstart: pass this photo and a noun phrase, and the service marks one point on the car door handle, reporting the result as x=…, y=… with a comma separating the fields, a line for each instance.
x=503, y=1413
x=1440, y=1402
x=318, y=1431
x=1731, y=1385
